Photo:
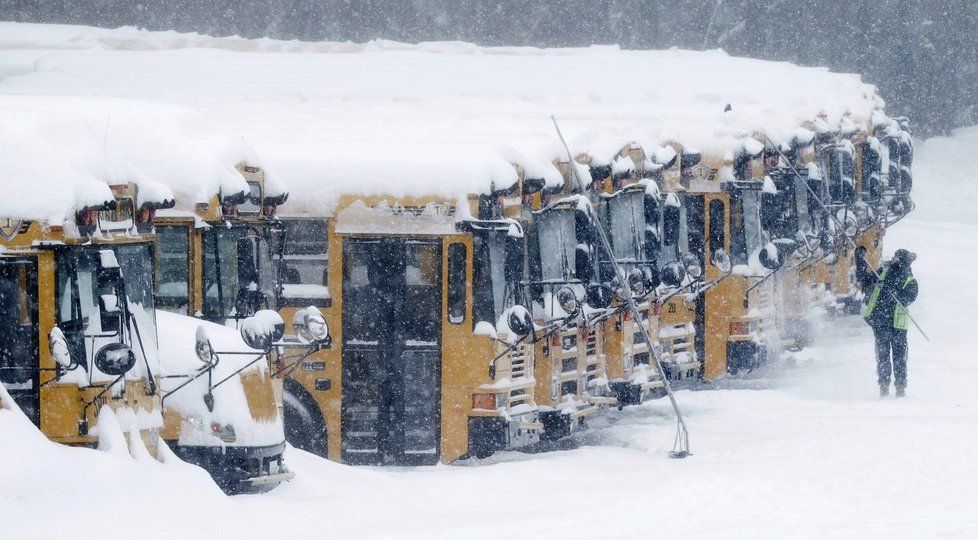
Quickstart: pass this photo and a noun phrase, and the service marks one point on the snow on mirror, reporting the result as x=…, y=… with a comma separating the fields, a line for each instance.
x=693, y=268
x=567, y=300
x=58, y=346
x=115, y=359
x=722, y=261
x=636, y=281
x=673, y=274
x=310, y=326
x=770, y=256
x=519, y=320
x=203, y=348
x=262, y=329
x=598, y=295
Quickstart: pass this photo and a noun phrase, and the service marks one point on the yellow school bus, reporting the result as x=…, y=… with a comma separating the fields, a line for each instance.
x=569, y=303
x=79, y=326
x=738, y=321
x=215, y=262
x=789, y=212
x=640, y=199
x=434, y=357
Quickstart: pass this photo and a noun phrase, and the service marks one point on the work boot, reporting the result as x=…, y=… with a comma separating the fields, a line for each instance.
x=901, y=391
x=884, y=390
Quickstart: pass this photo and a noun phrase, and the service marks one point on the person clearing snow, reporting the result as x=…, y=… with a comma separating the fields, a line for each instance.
x=892, y=290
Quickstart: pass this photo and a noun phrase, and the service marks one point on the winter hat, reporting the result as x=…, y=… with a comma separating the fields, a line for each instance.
x=905, y=256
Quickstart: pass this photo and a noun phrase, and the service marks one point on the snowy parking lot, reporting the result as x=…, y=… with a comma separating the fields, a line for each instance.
x=801, y=448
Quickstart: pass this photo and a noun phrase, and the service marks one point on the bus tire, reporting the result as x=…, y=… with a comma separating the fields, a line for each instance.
x=304, y=425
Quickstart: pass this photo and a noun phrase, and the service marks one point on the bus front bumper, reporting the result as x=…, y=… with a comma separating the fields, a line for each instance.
x=239, y=469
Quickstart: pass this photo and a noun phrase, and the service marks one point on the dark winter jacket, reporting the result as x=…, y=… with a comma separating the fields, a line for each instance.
x=895, y=286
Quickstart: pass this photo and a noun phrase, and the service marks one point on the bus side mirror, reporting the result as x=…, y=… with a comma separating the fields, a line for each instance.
x=583, y=263
x=598, y=295
x=807, y=243
x=203, y=348
x=248, y=264
x=262, y=330
x=115, y=359
x=786, y=247
x=673, y=274
x=651, y=276
x=519, y=320
x=769, y=211
x=721, y=260
x=249, y=298
x=771, y=257
x=58, y=345
x=692, y=265
x=311, y=327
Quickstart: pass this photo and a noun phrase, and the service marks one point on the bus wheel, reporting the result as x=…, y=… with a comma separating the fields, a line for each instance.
x=304, y=425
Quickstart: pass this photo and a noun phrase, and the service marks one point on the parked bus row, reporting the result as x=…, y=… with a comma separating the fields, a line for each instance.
x=430, y=328
x=468, y=323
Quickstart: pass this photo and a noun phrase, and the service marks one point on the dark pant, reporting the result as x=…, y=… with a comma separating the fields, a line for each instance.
x=890, y=341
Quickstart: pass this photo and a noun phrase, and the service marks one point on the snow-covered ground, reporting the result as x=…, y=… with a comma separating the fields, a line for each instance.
x=799, y=450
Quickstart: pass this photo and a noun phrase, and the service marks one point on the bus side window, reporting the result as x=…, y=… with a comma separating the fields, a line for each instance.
x=718, y=237
x=173, y=252
x=305, y=258
x=456, y=283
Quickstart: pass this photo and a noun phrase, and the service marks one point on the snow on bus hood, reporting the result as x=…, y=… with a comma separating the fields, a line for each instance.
x=335, y=118
x=61, y=153
x=231, y=404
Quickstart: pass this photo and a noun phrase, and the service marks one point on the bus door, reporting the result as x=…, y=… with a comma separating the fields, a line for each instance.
x=392, y=288
x=19, y=359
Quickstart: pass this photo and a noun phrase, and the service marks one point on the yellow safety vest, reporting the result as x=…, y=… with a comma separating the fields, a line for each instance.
x=901, y=319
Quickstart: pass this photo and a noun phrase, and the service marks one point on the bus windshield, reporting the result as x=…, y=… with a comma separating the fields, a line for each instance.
x=674, y=224
x=493, y=293
x=238, y=272
x=626, y=220
x=745, y=225
x=558, y=244
x=80, y=313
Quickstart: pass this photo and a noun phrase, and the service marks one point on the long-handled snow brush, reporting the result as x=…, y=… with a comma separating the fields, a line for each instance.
x=840, y=227
x=680, y=447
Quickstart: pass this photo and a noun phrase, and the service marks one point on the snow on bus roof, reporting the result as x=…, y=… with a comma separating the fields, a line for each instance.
x=61, y=153
x=436, y=118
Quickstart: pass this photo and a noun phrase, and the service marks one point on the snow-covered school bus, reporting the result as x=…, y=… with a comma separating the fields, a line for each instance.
x=639, y=198
x=216, y=263
x=789, y=212
x=433, y=356
x=571, y=376
x=850, y=203
x=79, y=332
x=737, y=316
